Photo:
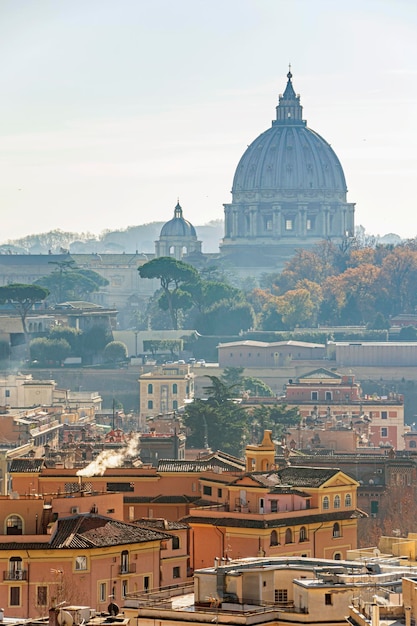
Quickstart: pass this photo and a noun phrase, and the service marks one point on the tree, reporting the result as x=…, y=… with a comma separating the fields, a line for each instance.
x=23, y=298
x=95, y=339
x=172, y=275
x=277, y=418
x=72, y=335
x=115, y=352
x=225, y=318
x=69, y=282
x=218, y=421
x=47, y=351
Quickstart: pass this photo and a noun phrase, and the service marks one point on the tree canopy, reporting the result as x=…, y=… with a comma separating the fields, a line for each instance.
x=22, y=298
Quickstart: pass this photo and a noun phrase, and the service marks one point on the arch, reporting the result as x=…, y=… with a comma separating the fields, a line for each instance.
x=336, y=530
x=124, y=562
x=336, y=502
x=14, y=525
x=348, y=499
x=274, y=538
x=288, y=536
x=337, y=556
x=326, y=502
x=303, y=533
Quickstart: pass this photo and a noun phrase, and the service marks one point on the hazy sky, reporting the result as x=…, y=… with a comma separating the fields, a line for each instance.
x=112, y=109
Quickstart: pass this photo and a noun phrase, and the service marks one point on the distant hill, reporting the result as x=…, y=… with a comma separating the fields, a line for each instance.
x=131, y=239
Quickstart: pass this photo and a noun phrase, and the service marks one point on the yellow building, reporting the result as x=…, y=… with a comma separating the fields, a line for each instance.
x=165, y=389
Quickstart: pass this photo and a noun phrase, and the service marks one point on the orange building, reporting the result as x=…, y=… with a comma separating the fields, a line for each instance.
x=85, y=560
x=332, y=399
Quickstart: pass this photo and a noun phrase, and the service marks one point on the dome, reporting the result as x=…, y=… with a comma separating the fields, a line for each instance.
x=289, y=158
x=178, y=226
x=288, y=193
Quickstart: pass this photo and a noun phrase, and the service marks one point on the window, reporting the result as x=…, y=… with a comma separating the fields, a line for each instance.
x=337, y=556
x=176, y=572
x=274, y=538
x=348, y=500
x=326, y=502
x=288, y=535
x=14, y=596
x=328, y=395
x=219, y=493
x=314, y=395
x=150, y=388
x=7, y=393
x=102, y=592
x=289, y=225
x=124, y=588
x=384, y=415
x=146, y=583
x=336, y=530
x=15, y=568
x=175, y=388
x=303, y=533
x=274, y=506
x=328, y=599
x=175, y=404
x=124, y=562
x=206, y=490
x=80, y=563
x=175, y=543
x=384, y=432
x=42, y=596
x=281, y=595
x=413, y=444
x=336, y=502
x=150, y=404
x=14, y=525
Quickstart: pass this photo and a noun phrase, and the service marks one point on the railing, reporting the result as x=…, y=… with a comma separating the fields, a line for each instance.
x=127, y=569
x=19, y=574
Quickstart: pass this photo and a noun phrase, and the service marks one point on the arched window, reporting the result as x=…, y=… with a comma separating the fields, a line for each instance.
x=175, y=404
x=175, y=388
x=337, y=556
x=124, y=562
x=150, y=404
x=336, y=502
x=336, y=530
x=348, y=500
x=15, y=568
x=326, y=502
x=303, y=533
x=288, y=535
x=274, y=538
x=150, y=388
x=14, y=525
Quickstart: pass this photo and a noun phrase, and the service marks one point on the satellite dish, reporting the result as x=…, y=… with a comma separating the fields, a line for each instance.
x=65, y=619
x=113, y=609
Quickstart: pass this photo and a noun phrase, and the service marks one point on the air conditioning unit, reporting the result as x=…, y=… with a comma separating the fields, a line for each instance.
x=75, y=510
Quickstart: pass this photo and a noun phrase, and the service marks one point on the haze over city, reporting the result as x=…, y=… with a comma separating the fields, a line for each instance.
x=110, y=111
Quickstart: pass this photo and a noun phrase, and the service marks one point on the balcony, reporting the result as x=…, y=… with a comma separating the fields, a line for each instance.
x=20, y=574
x=127, y=569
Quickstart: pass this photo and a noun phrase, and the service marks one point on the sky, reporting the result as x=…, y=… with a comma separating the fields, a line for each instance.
x=112, y=110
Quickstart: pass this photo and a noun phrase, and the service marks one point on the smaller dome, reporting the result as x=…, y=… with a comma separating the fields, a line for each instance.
x=178, y=226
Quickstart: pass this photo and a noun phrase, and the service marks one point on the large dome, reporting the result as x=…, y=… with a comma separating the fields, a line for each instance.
x=289, y=192
x=289, y=157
